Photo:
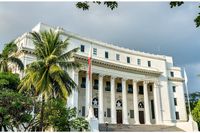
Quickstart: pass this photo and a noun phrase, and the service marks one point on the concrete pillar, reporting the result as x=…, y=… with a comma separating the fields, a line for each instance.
x=124, y=102
x=146, y=103
x=135, y=102
x=101, y=112
x=113, y=102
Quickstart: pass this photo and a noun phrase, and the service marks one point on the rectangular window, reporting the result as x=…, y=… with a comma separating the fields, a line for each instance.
x=177, y=115
x=94, y=51
x=152, y=109
x=96, y=83
x=139, y=61
x=128, y=60
x=117, y=57
x=172, y=74
x=82, y=48
x=107, y=86
x=174, y=88
x=130, y=88
x=141, y=90
x=149, y=63
x=131, y=113
x=106, y=55
x=83, y=110
x=108, y=112
x=175, y=102
x=150, y=88
x=83, y=83
x=119, y=87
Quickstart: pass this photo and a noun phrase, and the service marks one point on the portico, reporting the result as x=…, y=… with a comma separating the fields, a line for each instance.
x=116, y=99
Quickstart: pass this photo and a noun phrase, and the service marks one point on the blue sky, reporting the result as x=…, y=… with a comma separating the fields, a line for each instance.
x=145, y=26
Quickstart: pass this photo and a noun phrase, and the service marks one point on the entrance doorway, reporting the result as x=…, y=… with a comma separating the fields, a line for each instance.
x=96, y=112
x=119, y=116
x=141, y=117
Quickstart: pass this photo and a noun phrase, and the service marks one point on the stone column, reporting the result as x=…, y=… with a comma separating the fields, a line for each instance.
x=135, y=102
x=75, y=91
x=88, y=95
x=101, y=111
x=146, y=103
x=113, y=102
x=157, y=103
x=124, y=102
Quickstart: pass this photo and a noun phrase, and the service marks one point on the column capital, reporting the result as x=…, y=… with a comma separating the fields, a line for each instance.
x=124, y=79
x=101, y=75
x=134, y=80
x=113, y=77
x=146, y=81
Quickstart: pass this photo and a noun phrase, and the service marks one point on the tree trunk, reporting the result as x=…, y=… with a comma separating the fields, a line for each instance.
x=42, y=115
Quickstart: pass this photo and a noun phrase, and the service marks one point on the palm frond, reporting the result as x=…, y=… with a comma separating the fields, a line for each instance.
x=16, y=61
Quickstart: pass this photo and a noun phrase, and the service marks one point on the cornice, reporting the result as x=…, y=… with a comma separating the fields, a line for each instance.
x=106, y=64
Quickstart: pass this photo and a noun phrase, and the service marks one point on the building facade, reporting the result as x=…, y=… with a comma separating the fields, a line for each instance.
x=127, y=86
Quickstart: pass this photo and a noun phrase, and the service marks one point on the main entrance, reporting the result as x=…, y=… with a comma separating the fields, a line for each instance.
x=119, y=116
x=141, y=117
x=96, y=112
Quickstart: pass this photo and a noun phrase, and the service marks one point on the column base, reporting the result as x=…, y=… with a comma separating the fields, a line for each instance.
x=147, y=123
x=137, y=123
x=126, y=123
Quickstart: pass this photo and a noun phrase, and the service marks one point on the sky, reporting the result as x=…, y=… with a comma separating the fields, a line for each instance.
x=151, y=27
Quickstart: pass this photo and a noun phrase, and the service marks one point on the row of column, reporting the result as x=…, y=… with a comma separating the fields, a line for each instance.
x=124, y=101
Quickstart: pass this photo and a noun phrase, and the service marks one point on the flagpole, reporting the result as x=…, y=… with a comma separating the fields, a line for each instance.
x=186, y=87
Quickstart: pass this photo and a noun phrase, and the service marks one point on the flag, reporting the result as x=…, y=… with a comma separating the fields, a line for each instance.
x=89, y=62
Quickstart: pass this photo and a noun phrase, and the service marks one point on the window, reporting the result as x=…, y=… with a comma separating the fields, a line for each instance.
x=172, y=74
x=150, y=88
x=106, y=55
x=128, y=60
x=177, y=115
x=117, y=57
x=130, y=88
x=119, y=87
x=175, y=101
x=96, y=82
x=83, y=110
x=149, y=63
x=174, y=88
x=152, y=110
x=107, y=86
x=139, y=61
x=131, y=113
x=83, y=84
x=82, y=48
x=94, y=51
x=108, y=112
x=141, y=90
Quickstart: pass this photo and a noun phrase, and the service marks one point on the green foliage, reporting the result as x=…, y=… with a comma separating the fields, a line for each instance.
x=196, y=113
x=176, y=3
x=48, y=74
x=59, y=117
x=9, y=80
x=80, y=124
x=15, y=109
x=179, y=3
x=8, y=56
x=86, y=5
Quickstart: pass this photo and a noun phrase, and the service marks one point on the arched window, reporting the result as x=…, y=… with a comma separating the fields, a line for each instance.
x=140, y=105
x=119, y=103
x=95, y=101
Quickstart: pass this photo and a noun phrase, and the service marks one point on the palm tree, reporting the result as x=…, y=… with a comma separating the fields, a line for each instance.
x=8, y=56
x=48, y=76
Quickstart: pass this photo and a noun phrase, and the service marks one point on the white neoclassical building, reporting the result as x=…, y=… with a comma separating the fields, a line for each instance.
x=128, y=86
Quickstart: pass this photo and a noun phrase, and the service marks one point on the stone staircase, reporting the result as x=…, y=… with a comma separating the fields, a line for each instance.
x=138, y=128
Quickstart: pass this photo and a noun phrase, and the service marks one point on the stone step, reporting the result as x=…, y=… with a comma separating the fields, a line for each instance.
x=138, y=128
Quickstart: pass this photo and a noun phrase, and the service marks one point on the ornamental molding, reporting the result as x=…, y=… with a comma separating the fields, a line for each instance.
x=176, y=79
x=110, y=65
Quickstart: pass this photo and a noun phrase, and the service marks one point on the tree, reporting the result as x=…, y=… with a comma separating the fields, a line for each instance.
x=179, y=3
x=59, y=117
x=9, y=80
x=15, y=109
x=86, y=5
x=48, y=76
x=8, y=56
x=196, y=113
